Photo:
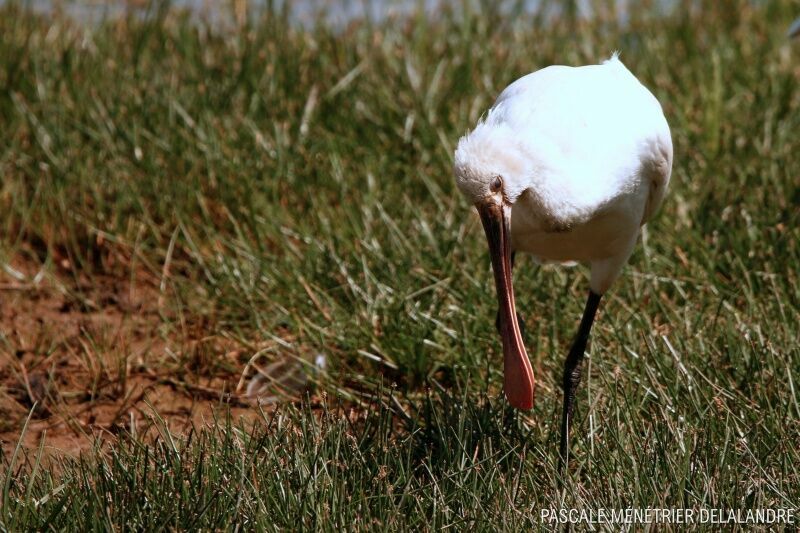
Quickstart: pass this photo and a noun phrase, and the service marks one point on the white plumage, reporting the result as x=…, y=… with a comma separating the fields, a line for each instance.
x=585, y=154
x=567, y=165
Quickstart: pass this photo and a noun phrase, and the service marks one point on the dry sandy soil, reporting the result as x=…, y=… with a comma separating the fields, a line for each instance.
x=90, y=359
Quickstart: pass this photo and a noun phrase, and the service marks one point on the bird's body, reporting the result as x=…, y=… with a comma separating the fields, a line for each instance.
x=567, y=166
x=597, y=152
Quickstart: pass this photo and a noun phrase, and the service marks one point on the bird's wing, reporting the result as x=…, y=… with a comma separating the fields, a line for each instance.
x=657, y=169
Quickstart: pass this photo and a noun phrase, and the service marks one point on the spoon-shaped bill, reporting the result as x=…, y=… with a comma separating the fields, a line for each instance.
x=518, y=381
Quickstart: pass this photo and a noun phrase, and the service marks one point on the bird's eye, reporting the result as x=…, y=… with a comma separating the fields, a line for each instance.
x=497, y=184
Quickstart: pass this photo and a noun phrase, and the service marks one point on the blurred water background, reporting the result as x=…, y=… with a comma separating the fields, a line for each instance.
x=337, y=13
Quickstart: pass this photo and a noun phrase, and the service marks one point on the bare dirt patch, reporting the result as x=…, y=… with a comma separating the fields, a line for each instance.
x=88, y=359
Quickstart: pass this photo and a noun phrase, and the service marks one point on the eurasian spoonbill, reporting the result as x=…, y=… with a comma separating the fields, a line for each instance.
x=567, y=165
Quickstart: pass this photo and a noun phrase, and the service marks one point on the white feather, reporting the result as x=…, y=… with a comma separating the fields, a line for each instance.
x=585, y=155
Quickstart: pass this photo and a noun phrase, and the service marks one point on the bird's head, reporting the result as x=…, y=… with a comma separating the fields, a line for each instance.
x=490, y=171
x=491, y=165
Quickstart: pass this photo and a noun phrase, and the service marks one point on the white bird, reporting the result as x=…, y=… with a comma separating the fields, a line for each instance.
x=567, y=166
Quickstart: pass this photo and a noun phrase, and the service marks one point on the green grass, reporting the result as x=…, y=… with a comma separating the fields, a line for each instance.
x=297, y=183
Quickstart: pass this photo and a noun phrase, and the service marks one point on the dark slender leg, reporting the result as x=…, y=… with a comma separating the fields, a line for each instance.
x=519, y=317
x=572, y=372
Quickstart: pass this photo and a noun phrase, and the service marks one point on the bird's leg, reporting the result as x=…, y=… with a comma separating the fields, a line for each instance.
x=572, y=372
x=519, y=317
